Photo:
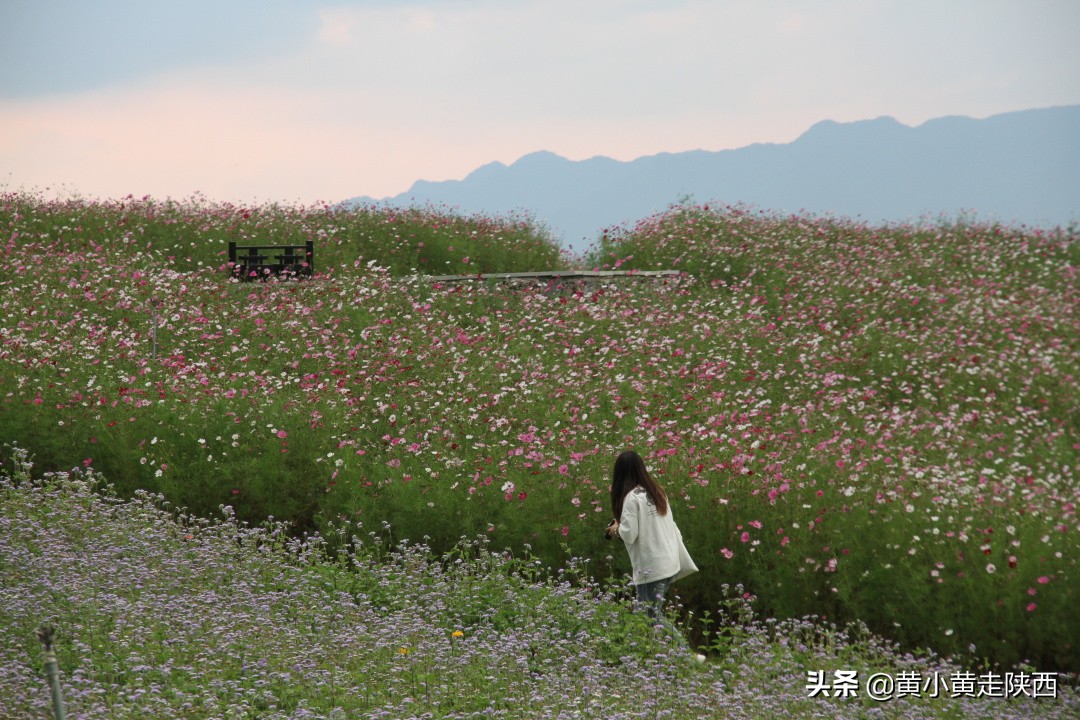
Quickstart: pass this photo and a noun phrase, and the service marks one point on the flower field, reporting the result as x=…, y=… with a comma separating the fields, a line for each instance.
x=166, y=615
x=854, y=422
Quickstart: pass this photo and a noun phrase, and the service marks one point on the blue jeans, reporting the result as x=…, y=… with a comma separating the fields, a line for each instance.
x=651, y=595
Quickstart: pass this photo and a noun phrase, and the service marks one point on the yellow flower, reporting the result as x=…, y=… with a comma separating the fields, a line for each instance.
x=457, y=634
x=403, y=651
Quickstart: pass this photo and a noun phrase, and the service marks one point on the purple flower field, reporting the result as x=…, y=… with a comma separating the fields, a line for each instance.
x=166, y=615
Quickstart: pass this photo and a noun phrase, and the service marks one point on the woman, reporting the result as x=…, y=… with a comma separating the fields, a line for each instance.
x=643, y=519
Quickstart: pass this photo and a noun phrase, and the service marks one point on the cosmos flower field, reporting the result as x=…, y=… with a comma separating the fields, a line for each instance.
x=856, y=424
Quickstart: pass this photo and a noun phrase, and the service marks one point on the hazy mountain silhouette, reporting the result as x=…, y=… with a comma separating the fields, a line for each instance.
x=1019, y=167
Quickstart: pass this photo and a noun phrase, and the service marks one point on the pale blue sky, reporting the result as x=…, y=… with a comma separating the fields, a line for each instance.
x=284, y=100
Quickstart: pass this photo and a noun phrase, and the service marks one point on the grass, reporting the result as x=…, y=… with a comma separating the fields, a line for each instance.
x=856, y=423
x=164, y=614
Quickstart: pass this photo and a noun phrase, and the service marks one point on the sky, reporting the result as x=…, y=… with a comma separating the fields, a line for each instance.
x=304, y=101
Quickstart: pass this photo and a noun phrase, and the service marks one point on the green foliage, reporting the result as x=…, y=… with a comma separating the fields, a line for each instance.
x=165, y=614
x=849, y=419
x=192, y=234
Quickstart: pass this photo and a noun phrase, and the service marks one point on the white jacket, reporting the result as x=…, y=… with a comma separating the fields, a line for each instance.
x=653, y=540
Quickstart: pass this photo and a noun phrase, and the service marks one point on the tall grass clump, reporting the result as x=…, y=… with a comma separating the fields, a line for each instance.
x=860, y=423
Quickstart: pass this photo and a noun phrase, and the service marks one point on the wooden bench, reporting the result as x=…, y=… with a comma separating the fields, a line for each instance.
x=262, y=262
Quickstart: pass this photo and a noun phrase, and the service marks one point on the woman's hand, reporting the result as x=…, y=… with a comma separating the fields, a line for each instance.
x=612, y=529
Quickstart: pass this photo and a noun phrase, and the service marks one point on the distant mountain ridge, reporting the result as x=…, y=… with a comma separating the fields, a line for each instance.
x=1018, y=167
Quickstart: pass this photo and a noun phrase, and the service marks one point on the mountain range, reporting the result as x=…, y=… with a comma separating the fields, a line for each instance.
x=1014, y=168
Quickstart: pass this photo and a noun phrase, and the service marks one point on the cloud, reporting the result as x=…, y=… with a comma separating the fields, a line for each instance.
x=177, y=138
x=64, y=46
x=290, y=99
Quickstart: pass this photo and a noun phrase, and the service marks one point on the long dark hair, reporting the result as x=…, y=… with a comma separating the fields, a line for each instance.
x=630, y=472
